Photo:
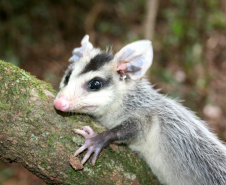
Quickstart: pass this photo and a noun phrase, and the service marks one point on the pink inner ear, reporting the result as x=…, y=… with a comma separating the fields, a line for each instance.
x=122, y=67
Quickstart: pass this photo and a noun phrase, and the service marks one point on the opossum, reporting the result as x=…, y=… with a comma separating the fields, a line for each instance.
x=174, y=142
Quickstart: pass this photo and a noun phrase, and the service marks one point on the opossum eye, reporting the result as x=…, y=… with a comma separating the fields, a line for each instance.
x=95, y=84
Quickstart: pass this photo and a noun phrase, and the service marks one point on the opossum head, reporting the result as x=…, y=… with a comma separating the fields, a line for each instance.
x=96, y=79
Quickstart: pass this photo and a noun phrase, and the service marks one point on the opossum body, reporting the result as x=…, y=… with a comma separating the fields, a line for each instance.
x=174, y=142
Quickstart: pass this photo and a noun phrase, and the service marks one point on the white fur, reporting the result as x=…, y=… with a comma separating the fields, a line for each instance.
x=149, y=148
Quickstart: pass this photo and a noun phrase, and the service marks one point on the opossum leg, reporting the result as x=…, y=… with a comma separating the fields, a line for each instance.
x=94, y=143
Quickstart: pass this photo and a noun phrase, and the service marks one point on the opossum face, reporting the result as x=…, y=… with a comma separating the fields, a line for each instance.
x=88, y=85
x=95, y=80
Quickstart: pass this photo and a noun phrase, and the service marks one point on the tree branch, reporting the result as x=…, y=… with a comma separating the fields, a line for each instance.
x=35, y=135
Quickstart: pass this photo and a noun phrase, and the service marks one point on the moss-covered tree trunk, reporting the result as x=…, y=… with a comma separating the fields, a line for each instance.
x=40, y=138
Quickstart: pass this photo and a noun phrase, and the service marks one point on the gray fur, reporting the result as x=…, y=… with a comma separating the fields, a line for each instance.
x=190, y=153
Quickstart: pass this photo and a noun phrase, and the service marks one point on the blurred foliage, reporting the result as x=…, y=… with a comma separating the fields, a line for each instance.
x=183, y=29
x=5, y=173
x=28, y=25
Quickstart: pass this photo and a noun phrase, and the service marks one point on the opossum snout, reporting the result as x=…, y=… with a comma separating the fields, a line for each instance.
x=61, y=104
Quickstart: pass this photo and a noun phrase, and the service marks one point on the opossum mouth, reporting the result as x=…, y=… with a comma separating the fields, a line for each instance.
x=89, y=108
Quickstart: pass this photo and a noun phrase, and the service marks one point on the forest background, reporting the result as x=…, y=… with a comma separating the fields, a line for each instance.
x=189, y=41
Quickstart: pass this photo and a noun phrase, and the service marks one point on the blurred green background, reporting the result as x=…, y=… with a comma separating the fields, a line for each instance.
x=189, y=41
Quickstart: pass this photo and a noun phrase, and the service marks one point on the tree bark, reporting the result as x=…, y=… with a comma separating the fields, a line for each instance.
x=40, y=138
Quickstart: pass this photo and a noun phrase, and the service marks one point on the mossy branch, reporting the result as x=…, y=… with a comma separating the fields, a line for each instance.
x=40, y=138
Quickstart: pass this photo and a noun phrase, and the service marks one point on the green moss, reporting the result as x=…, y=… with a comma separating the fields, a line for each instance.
x=20, y=78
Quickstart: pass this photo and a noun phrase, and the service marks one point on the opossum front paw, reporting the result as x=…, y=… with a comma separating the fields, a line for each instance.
x=92, y=143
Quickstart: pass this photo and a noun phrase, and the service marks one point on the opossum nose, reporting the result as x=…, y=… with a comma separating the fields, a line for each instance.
x=61, y=104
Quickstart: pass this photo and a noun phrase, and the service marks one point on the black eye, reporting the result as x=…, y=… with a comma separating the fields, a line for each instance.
x=95, y=84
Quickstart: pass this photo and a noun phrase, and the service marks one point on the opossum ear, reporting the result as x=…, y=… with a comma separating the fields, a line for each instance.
x=134, y=59
x=82, y=51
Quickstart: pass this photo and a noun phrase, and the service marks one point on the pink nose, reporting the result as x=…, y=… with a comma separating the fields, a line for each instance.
x=61, y=104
